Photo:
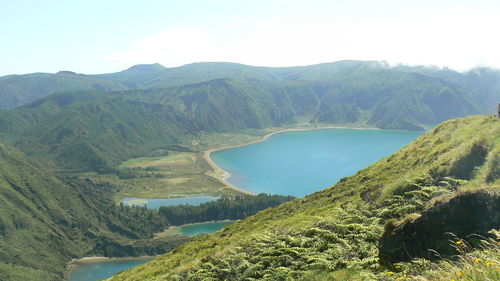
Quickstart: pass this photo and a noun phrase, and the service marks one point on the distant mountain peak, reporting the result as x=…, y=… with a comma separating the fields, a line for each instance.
x=146, y=67
x=66, y=72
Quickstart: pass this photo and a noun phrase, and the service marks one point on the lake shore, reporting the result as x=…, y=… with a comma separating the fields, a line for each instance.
x=94, y=259
x=222, y=175
x=174, y=229
x=74, y=263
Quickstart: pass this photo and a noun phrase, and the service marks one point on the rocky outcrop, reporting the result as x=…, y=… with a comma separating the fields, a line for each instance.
x=428, y=235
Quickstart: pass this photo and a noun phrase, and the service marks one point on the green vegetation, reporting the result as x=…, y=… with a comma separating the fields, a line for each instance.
x=236, y=208
x=16, y=90
x=178, y=174
x=183, y=158
x=136, y=76
x=480, y=262
x=94, y=135
x=45, y=220
x=336, y=231
x=141, y=132
x=482, y=80
x=97, y=130
x=473, y=263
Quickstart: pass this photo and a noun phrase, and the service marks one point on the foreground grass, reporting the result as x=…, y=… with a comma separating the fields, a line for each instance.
x=480, y=263
x=477, y=264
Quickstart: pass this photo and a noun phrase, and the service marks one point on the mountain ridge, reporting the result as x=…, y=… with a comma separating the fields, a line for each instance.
x=13, y=93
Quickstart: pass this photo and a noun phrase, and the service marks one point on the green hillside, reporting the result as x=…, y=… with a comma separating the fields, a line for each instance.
x=16, y=90
x=482, y=80
x=205, y=71
x=136, y=76
x=90, y=131
x=334, y=234
x=96, y=130
x=45, y=220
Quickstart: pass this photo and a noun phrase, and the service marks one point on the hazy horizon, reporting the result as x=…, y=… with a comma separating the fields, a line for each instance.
x=381, y=61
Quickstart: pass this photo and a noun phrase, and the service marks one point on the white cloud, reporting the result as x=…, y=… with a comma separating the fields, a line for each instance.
x=456, y=39
x=174, y=46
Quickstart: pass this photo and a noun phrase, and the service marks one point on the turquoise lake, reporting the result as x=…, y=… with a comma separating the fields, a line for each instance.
x=98, y=270
x=289, y=163
x=157, y=203
x=302, y=162
x=203, y=228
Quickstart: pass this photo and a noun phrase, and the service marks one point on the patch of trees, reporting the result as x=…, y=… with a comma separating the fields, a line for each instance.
x=239, y=207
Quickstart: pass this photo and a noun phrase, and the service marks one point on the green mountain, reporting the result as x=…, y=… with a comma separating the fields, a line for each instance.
x=90, y=131
x=96, y=130
x=136, y=76
x=45, y=220
x=16, y=90
x=482, y=80
x=334, y=234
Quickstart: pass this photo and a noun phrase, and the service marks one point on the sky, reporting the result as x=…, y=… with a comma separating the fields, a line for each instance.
x=111, y=35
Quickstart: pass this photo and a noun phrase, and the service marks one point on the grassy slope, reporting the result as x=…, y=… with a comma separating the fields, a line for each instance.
x=440, y=152
x=46, y=220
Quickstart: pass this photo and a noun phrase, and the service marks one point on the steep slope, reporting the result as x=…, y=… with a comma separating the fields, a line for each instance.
x=482, y=80
x=91, y=131
x=394, y=100
x=46, y=220
x=335, y=232
x=376, y=98
x=16, y=90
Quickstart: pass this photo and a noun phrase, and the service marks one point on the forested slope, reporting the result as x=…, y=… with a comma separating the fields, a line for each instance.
x=46, y=220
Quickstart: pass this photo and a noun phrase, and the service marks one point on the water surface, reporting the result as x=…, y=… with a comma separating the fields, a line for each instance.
x=300, y=163
x=157, y=203
x=202, y=228
x=102, y=269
